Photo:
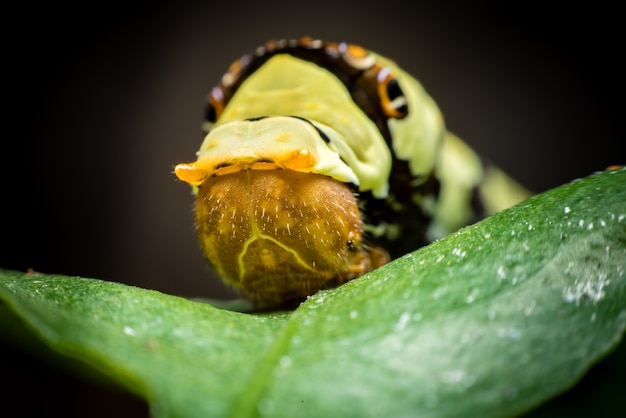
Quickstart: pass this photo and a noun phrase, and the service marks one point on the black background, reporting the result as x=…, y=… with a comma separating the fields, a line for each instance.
x=103, y=101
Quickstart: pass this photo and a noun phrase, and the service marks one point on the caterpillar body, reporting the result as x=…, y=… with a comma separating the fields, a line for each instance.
x=323, y=161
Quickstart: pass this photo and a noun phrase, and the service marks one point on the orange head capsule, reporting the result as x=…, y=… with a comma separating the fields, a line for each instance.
x=280, y=235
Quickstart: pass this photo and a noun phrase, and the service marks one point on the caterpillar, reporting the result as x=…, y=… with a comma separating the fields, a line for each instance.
x=322, y=161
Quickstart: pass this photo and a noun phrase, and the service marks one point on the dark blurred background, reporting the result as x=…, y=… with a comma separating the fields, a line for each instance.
x=105, y=100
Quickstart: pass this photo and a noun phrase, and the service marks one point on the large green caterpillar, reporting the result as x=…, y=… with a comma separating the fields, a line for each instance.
x=323, y=161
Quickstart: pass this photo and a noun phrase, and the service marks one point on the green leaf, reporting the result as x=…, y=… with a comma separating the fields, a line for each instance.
x=488, y=322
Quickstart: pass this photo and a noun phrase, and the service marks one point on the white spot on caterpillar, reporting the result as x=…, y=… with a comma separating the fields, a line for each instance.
x=567, y=209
